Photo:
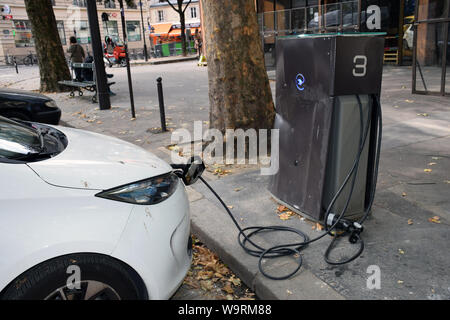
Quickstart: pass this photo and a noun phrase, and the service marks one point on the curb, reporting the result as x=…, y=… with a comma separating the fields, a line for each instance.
x=211, y=225
x=163, y=61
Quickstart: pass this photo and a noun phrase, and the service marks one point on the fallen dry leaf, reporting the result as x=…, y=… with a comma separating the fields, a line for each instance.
x=173, y=148
x=410, y=222
x=191, y=283
x=204, y=275
x=435, y=219
x=206, y=285
x=284, y=216
x=403, y=194
x=227, y=288
x=209, y=274
x=427, y=170
x=235, y=281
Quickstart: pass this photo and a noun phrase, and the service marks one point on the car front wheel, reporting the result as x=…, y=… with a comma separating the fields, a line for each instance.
x=77, y=277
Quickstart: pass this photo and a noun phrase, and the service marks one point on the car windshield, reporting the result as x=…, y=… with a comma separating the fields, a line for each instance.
x=17, y=140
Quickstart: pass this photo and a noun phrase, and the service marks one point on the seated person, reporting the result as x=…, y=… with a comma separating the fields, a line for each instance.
x=88, y=74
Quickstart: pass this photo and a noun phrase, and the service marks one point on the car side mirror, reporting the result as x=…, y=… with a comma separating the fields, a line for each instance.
x=191, y=170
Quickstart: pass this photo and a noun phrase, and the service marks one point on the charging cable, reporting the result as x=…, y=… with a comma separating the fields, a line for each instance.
x=333, y=221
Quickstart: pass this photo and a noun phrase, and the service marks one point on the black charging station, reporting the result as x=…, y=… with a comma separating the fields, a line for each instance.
x=329, y=118
x=327, y=84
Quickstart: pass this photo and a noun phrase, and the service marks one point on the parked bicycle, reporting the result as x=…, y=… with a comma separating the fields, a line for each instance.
x=30, y=59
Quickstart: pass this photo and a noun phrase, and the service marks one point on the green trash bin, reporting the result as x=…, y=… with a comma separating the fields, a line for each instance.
x=165, y=50
x=178, y=48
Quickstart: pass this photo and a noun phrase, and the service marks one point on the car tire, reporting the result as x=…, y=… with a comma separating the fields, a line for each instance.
x=77, y=277
x=16, y=116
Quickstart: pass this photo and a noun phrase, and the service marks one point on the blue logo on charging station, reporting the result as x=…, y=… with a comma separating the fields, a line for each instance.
x=299, y=82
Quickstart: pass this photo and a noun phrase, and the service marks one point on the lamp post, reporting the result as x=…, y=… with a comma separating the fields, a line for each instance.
x=125, y=42
x=143, y=32
x=97, y=49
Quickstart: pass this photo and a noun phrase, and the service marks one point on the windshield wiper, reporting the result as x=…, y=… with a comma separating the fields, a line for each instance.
x=41, y=138
x=35, y=156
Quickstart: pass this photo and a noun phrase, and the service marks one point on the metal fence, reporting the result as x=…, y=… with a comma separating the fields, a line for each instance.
x=327, y=18
x=431, y=49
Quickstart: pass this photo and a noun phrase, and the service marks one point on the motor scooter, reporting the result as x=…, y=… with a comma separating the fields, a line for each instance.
x=118, y=56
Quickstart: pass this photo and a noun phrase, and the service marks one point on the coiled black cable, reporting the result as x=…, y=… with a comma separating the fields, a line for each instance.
x=379, y=128
x=294, y=249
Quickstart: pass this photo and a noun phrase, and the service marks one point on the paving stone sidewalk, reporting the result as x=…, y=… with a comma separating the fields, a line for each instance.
x=407, y=235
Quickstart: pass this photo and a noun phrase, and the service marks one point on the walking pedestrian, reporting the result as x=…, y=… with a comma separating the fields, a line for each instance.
x=77, y=55
x=198, y=43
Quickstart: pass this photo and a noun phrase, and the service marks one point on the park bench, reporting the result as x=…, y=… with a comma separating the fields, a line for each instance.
x=85, y=84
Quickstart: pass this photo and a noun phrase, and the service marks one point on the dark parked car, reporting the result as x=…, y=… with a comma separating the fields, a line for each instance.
x=28, y=106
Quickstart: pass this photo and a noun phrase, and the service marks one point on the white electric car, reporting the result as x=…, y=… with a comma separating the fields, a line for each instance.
x=86, y=216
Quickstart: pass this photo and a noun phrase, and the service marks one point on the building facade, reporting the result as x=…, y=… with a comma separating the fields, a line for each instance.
x=160, y=12
x=417, y=31
x=16, y=37
x=287, y=17
x=165, y=26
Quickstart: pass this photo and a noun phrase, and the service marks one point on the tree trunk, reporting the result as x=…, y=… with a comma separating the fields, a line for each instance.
x=52, y=63
x=239, y=90
x=183, y=34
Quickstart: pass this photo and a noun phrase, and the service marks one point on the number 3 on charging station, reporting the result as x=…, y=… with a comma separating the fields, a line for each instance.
x=360, y=66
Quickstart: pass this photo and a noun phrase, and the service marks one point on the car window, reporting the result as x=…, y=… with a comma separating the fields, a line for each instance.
x=17, y=140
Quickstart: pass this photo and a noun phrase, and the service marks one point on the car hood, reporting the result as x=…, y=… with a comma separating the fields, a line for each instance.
x=14, y=94
x=95, y=161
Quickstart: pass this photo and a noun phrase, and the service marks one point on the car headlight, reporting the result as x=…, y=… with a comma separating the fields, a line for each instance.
x=145, y=192
x=51, y=104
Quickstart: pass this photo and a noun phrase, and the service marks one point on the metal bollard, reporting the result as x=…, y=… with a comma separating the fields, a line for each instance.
x=15, y=64
x=161, y=104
